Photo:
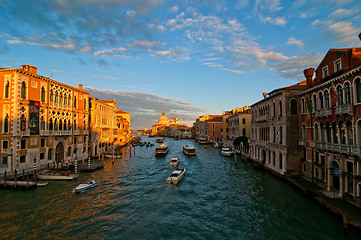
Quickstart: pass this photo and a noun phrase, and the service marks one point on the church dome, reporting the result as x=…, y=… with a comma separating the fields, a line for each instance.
x=172, y=120
x=163, y=119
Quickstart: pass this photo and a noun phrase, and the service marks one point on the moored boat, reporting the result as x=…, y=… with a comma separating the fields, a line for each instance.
x=189, y=150
x=227, y=152
x=161, y=149
x=174, y=162
x=216, y=145
x=202, y=140
x=85, y=186
x=41, y=183
x=176, y=176
x=56, y=175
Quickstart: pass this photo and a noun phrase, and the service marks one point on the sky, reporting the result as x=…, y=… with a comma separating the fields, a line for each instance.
x=187, y=58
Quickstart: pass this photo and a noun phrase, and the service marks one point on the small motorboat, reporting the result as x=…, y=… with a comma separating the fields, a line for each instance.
x=41, y=183
x=174, y=162
x=227, y=152
x=85, y=186
x=216, y=145
x=56, y=175
x=176, y=176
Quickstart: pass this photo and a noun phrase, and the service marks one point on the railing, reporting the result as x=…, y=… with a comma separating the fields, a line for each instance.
x=339, y=110
x=339, y=148
x=25, y=133
x=263, y=118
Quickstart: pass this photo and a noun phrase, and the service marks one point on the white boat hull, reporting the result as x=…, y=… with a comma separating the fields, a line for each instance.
x=56, y=175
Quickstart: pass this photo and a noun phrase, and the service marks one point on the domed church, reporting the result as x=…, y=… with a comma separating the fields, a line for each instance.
x=163, y=122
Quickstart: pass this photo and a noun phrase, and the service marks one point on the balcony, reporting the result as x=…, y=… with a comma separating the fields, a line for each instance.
x=25, y=133
x=344, y=109
x=302, y=142
x=263, y=118
x=339, y=148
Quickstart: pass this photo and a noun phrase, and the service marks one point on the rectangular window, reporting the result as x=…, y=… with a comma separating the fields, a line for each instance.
x=243, y=120
x=4, y=160
x=338, y=66
x=23, y=144
x=22, y=158
x=5, y=145
x=42, y=142
x=75, y=140
x=325, y=71
x=42, y=156
x=349, y=167
x=243, y=131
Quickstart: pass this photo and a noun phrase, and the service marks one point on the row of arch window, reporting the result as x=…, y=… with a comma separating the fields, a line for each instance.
x=264, y=134
x=271, y=160
x=337, y=133
x=265, y=110
x=53, y=124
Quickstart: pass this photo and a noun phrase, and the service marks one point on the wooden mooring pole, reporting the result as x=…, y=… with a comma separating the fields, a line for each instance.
x=16, y=176
x=5, y=179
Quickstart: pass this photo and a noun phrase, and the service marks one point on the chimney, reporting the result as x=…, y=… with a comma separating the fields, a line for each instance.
x=80, y=86
x=265, y=94
x=308, y=75
x=33, y=69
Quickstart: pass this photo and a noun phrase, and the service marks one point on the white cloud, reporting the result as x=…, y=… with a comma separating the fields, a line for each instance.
x=341, y=13
x=281, y=21
x=173, y=9
x=111, y=51
x=144, y=44
x=345, y=32
x=294, y=41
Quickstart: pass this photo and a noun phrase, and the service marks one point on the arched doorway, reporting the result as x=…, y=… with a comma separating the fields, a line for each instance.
x=335, y=176
x=263, y=156
x=59, y=153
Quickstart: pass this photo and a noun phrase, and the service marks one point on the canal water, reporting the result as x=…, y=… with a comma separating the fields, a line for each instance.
x=219, y=198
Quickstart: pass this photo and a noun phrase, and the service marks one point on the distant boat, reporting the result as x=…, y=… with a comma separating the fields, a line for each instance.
x=159, y=139
x=85, y=186
x=161, y=149
x=174, y=162
x=176, y=176
x=227, y=152
x=56, y=175
x=202, y=140
x=216, y=145
x=189, y=150
x=41, y=183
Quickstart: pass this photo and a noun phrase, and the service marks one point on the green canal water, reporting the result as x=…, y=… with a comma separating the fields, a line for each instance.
x=219, y=198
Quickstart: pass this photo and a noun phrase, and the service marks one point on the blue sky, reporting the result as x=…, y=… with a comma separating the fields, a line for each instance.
x=185, y=57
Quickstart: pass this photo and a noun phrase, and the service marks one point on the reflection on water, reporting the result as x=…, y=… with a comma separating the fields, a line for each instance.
x=219, y=198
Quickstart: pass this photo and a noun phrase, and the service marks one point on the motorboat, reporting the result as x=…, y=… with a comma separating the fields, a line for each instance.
x=227, y=152
x=189, y=150
x=174, y=162
x=41, y=183
x=176, y=176
x=85, y=186
x=161, y=149
x=56, y=175
x=216, y=145
x=202, y=140
x=159, y=139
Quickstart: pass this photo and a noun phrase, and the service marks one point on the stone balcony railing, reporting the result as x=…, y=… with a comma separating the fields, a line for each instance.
x=339, y=148
x=263, y=118
x=339, y=110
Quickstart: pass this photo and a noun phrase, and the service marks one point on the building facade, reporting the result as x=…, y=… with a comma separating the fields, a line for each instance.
x=330, y=130
x=274, y=130
x=44, y=122
x=239, y=125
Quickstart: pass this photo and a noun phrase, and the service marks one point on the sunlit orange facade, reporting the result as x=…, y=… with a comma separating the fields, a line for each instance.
x=42, y=120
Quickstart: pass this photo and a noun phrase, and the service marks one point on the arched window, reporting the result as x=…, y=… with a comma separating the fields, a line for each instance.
x=84, y=104
x=273, y=158
x=274, y=134
x=322, y=133
x=303, y=105
x=6, y=123
x=316, y=132
x=42, y=123
x=340, y=95
x=293, y=106
x=75, y=102
x=335, y=133
x=274, y=109
x=7, y=90
x=314, y=100
x=280, y=159
x=328, y=133
x=320, y=100
x=69, y=125
x=303, y=131
x=327, y=99
x=60, y=125
x=358, y=89
x=349, y=133
x=347, y=93
x=22, y=122
x=51, y=96
x=23, y=90
x=280, y=105
x=42, y=95
x=64, y=125
x=56, y=97
x=74, y=125
x=281, y=133
x=51, y=124
x=342, y=128
x=61, y=99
